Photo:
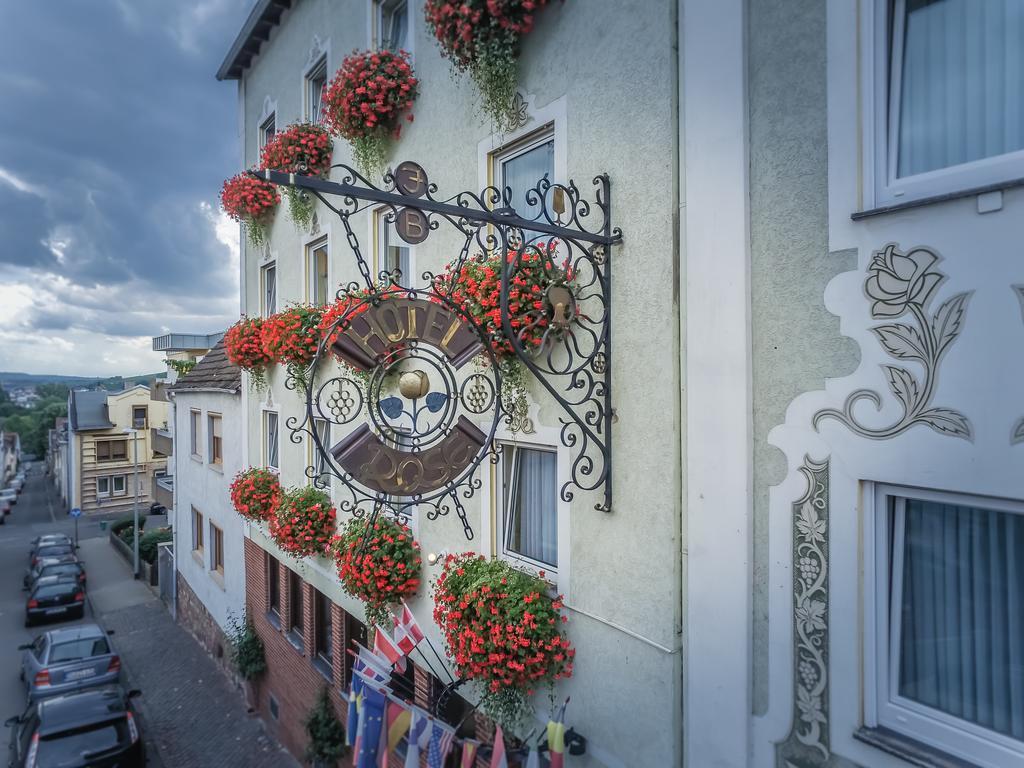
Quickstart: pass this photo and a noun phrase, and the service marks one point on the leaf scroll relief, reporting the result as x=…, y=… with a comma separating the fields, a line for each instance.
x=901, y=287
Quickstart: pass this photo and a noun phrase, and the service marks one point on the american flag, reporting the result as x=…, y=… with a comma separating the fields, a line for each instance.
x=440, y=745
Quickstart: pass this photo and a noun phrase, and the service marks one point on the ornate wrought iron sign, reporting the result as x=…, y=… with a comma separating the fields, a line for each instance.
x=422, y=379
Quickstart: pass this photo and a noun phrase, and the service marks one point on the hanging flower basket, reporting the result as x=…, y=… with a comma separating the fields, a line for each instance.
x=250, y=201
x=303, y=523
x=482, y=37
x=243, y=343
x=501, y=629
x=476, y=288
x=364, y=103
x=380, y=567
x=303, y=149
x=291, y=338
x=256, y=493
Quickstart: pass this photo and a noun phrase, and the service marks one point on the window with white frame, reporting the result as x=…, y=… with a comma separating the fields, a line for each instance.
x=323, y=431
x=102, y=487
x=947, y=657
x=520, y=168
x=317, y=268
x=118, y=485
x=392, y=25
x=215, y=450
x=194, y=426
x=268, y=129
x=270, y=440
x=315, y=80
x=393, y=253
x=949, y=96
x=528, y=524
x=268, y=284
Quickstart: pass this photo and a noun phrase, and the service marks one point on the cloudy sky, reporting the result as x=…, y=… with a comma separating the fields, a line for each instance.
x=114, y=140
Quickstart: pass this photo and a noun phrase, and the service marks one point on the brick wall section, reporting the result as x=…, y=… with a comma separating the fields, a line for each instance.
x=194, y=617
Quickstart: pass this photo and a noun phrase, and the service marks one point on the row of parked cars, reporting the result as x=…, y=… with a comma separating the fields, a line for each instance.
x=78, y=714
x=9, y=495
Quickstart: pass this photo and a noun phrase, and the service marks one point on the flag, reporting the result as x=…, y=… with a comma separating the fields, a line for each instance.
x=441, y=739
x=372, y=664
x=556, y=740
x=384, y=646
x=407, y=632
x=371, y=722
x=469, y=750
x=355, y=694
x=498, y=757
x=398, y=717
x=419, y=737
x=533, y=758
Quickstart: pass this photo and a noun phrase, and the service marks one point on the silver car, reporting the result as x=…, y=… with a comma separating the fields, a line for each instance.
x=64, y=660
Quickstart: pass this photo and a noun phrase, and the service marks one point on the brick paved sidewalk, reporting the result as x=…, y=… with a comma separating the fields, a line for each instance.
x=195, y=717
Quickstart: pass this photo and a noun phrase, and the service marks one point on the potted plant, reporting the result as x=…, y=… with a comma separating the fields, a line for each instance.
x=481, y=38
x=247, y=656
x=291, y=338
x=303, y=149
x=303, y=523
x=365, y=102
x=378, y=563
x=243, y=344
x=326, y=733
x=255, y=493
x=250, y=201
x=503, y=630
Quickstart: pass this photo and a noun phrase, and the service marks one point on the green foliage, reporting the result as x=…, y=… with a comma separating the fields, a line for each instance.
x=246, y=648
x=121, y=524
x=127, y=535
x=326, y=733
x=182, y=366
x=148, y=543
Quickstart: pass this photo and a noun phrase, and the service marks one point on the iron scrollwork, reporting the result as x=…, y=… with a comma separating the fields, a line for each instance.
x=387, y=359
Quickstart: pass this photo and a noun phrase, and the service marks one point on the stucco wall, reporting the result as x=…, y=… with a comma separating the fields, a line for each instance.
x=620, y=108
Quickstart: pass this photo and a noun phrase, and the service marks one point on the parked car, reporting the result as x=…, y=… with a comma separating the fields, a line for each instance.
x=46, y=568
x=88, y=729
x=59, y=600
x=10, y=494
x=69, y=659
x=30, y=572
x=51, y=550
x=5, y=510
x=49, y=540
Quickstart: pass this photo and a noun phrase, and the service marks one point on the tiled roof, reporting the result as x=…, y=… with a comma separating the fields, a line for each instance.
x=214, y=371
x=89, y=410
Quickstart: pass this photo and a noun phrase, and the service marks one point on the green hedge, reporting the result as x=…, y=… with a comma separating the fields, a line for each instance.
x=120, y=525
x=148, y=543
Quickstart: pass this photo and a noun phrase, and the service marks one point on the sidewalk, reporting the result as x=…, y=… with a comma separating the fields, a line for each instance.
x=195, y=718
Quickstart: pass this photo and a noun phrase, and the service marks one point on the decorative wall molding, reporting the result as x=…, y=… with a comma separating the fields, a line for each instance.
x=903, y=284
x=316, y=50
x=1017, y=433
x=808, y=743
x=521, y=110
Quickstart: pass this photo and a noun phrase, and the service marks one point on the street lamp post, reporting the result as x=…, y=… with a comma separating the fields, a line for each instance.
x=135, y=503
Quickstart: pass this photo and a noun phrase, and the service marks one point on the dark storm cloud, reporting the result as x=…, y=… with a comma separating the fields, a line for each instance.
x=114, y=133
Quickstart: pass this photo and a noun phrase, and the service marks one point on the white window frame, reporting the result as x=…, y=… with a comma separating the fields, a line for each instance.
x=376, y=22
x=103, y=494
x=505, y=496
x=311, y=245
x=265, y=309
x=318, y=64
x=323, y=429
x=265, y=438
x=195, y=422
x=881, y=133
x=113, y=485
x=211, y=417
x=883, y=707
x=264, y=126
x=379, y=238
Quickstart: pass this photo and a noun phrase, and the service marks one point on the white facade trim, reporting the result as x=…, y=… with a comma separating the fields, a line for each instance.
x=717, y=696
x=553, y=114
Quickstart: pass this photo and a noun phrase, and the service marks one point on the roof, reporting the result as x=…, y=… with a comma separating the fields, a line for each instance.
x=214, y=371
x=88, y=410
x=265, y=15
x=185, y=342
x=80, y=708
x=77, y=632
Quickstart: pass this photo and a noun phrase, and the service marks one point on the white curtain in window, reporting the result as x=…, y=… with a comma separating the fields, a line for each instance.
x=272, y=440
x=962, y=90
x=962, y=614
x=522, y=172
x=533, y=520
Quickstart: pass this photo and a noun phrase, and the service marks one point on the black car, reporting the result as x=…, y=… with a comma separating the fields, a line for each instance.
x=60, y=549
x=48, y=568
x=94, y=728
x=48, y=539
x=59, y=599
x=30, y=572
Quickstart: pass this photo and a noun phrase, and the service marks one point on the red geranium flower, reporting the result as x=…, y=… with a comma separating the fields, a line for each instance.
x=303, y=523
x=255, y=493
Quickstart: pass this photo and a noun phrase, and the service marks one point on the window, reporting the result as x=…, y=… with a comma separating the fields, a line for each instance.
x=529, y=525
x=102, y=487
x=193, y=432
x=111, y=450
x=317, y=264
x=197, y=530
x=119, y=485
x=520, y=169
x=216, y=447
x=268, y=129
x=139, y=413
x=270, y=439
x=268, y=279
x=948, y=646
x=316, y=79
x=323, y=431
x=355, y=632
x=392, y=25
x=295, y=616
x=949, y=96
x=393, y=253
x=216, y=549
x=273, y=585
x=323, y=640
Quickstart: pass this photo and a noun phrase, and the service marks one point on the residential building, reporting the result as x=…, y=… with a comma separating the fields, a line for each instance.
x=55, y=438
x=620, y=572
x=10, y=456
x=109, y=445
